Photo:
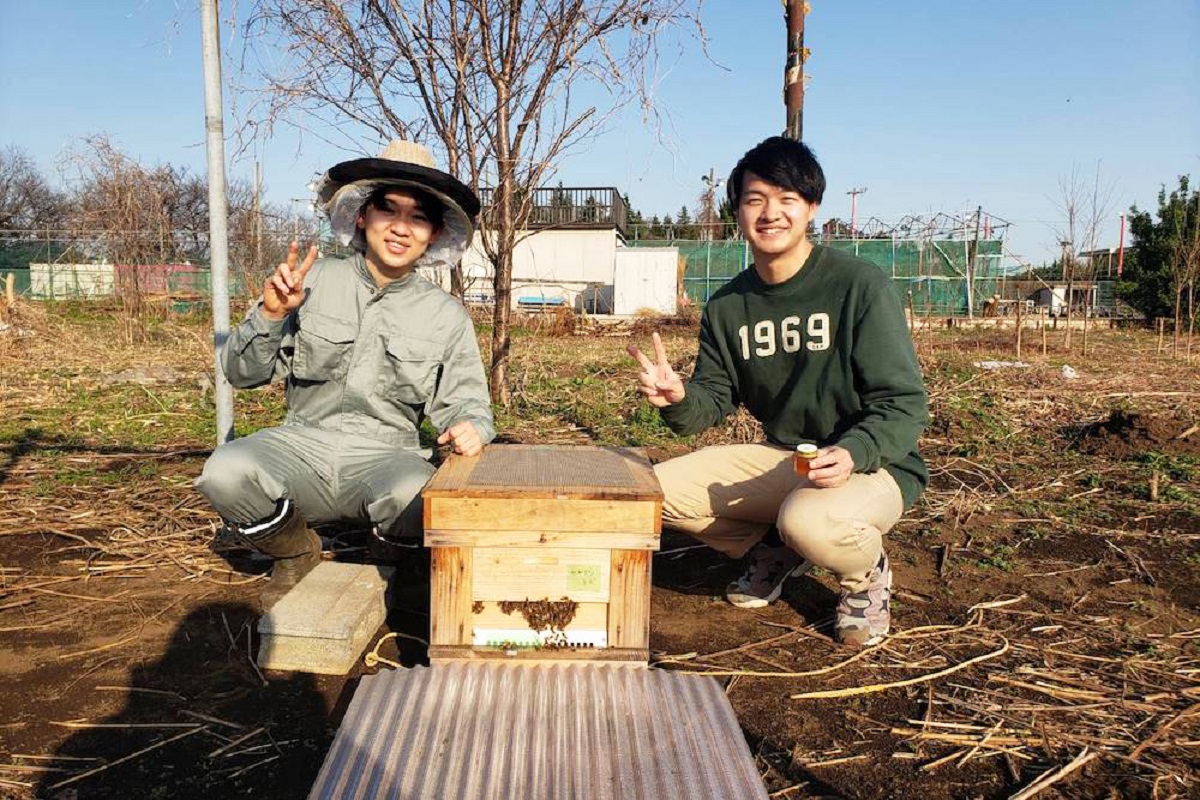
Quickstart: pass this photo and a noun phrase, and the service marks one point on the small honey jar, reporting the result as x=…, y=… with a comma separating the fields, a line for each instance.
x=801, y=458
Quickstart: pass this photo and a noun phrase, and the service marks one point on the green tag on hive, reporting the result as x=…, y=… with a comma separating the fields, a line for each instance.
x=583, y=578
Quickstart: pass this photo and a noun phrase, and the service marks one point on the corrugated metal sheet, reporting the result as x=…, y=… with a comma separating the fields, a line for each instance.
x=478, y=729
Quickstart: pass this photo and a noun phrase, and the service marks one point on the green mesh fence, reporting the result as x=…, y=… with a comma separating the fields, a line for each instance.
x=934, y=272
x=710, y=265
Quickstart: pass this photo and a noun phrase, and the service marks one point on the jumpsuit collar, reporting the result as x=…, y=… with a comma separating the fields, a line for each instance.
x=364, y=274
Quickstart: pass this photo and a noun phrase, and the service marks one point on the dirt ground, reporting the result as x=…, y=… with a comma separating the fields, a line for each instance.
x=1046, y=613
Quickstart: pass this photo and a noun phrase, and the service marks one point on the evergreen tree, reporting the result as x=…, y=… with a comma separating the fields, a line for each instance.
x=1159, y=268
x=635, y=222
x=684, y=229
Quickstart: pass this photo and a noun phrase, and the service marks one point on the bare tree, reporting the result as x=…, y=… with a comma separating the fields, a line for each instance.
x=26, y=200
x=121, y=208
x=494, y=85
x=1084, y=207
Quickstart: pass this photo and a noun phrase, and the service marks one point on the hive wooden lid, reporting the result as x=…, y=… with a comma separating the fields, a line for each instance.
x=548, y=471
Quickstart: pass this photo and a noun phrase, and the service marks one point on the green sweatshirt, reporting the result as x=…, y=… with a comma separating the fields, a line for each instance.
x=824, y=357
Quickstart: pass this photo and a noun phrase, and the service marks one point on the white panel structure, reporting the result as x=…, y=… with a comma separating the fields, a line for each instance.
x=588, y=270
x=59, y=281
x=550, y=265
x=646, y=278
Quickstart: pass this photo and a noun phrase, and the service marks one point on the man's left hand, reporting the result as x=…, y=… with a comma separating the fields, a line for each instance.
x=464, y=438
x=832, y=467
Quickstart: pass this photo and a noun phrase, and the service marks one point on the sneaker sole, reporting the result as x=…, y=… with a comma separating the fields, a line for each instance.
x=763, y=602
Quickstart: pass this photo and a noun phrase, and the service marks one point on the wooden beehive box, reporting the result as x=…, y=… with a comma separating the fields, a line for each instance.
x=542, y=552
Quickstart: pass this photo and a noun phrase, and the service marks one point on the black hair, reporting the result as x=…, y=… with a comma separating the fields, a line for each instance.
x=432, y=207
x=781, y=162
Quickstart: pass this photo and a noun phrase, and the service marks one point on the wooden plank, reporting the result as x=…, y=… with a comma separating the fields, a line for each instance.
x=624, y=657
x=588, y=617
x=503, y=573
x=450, y=596
x=453, y=473
x=566, y=492
x=613, y=540
x=629, y=602
x=493, y=514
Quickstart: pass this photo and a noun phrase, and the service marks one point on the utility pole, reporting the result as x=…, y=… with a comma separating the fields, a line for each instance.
x=854, y=193
x=218, y=211
x=793, y=75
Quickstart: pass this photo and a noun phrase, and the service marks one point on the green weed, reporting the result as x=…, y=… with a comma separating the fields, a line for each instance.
x=1001, y=557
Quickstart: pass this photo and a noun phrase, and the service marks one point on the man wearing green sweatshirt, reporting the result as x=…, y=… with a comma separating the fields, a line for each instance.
x=814, y=343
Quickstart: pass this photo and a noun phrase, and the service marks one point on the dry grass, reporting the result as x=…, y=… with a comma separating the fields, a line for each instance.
x=1038, y=493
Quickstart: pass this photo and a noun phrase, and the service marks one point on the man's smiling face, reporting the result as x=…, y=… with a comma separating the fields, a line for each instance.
x=774, y=220
x=397, y=234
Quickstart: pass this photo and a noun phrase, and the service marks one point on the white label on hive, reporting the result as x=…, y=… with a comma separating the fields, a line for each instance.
x=583, y=578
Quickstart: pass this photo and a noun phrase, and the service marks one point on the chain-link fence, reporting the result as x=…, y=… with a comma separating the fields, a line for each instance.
x=931, y=275
x=62, y=265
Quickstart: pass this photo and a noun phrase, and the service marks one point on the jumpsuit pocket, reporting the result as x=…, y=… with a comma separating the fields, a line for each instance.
x=323, y=346
x=410, y=374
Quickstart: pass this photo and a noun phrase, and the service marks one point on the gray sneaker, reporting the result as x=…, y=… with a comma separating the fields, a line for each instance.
x=766, y=570
x=864, y=618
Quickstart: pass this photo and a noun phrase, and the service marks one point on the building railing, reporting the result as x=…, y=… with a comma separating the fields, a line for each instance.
x=572, y=208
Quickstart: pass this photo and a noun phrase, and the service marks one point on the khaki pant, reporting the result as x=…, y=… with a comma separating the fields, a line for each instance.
x=728, y=496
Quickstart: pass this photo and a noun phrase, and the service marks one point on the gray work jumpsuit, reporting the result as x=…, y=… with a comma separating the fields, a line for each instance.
x=362, y=367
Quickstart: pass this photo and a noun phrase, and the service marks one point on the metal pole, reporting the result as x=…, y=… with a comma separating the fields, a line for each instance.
x=793, y=76
x=971, y=266
x=258, y=223
x=708, y=272
x=218, y=210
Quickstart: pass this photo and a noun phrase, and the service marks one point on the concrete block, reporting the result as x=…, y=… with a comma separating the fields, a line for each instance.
x=326, y=622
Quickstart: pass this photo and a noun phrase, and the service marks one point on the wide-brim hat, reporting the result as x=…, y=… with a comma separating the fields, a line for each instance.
x=344, y=189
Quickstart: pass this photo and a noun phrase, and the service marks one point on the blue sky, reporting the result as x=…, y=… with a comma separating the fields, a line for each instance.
x=931, y=105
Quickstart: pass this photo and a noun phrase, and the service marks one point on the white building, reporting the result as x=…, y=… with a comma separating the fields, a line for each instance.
x=574, y=254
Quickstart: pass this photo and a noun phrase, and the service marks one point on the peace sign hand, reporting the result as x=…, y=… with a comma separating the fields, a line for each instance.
x=283, y=292
x=657, y=380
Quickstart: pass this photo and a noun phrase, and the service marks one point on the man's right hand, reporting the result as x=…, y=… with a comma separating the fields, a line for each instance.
x=283, y=292
x=657, y=380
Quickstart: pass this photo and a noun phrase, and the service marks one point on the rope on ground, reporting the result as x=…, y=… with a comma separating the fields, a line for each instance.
x=373, y=659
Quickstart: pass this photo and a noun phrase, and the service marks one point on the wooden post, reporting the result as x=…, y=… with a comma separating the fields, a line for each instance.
x=793, y=75
x=1161, y=328
x=1020, y=324
x=1086, y=312
x=9, y=295
x=629, y=598
x=1042, y=325
x=450, y=596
